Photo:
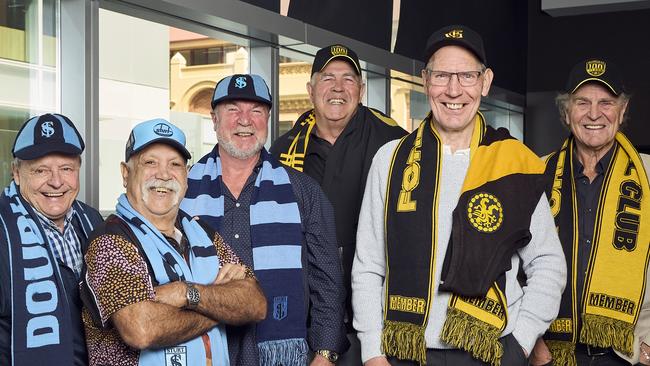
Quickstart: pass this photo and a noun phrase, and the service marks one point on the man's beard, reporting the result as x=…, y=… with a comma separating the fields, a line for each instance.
x=235, y=152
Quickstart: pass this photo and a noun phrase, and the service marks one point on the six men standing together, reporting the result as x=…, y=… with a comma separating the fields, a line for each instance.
x=467, y=248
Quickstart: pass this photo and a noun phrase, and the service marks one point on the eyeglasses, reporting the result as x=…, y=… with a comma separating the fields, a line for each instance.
x=442, y=78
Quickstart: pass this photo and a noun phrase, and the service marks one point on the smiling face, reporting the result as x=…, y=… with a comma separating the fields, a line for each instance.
x=156, y=181
x=241, y=127
x=594, y=115
x=454, y=106
x=335, y=93
x=50, y=184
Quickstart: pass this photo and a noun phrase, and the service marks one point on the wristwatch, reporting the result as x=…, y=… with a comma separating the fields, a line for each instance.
x=193, y=296
x=331, y=356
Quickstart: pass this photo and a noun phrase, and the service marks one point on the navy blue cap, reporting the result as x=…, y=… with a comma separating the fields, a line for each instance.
x=455, y=35
x=335, y=52
x=242, y=87
x=46, y=134
x=155, y=131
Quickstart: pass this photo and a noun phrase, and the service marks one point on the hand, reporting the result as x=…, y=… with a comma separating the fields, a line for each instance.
x=230, y=272
x=540, y=355
x=173, y=294
x=377, y=361
x=644, y=357
x=320, y=361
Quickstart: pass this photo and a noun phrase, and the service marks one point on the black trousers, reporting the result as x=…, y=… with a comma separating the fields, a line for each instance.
x=513, y=355
x=608, y=359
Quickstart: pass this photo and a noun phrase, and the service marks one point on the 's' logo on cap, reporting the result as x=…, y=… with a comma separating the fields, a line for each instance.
x=339, y=51
x=595, y=67
x=240, y=82
x=456, y=33
x=485, y=212
x=163, y=129
x=47, y=129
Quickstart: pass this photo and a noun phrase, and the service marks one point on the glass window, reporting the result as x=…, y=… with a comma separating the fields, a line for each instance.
x=150, y=70
x=28, y=68
x=294, y=100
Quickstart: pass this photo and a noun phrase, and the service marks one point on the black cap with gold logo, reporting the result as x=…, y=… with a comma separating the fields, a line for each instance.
x=595, y=70
x=335, y=52
x=455, y=35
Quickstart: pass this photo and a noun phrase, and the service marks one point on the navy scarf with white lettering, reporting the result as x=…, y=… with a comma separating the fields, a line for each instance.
x=41, y=326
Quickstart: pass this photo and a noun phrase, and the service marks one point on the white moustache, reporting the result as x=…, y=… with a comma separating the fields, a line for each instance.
x=171, y=185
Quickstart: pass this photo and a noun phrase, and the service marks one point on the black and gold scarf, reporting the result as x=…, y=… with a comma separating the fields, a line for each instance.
x=491, y=221
x=619, y=254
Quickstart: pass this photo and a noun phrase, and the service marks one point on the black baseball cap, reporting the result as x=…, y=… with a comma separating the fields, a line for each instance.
x=596, y=70
x=242, y=87
x=335, y=52
x=46, y=134
x=456, y=35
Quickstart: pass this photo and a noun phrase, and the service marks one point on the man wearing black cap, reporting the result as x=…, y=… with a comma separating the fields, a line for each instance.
x=450, y=214
x=598, y=189
x=334, y=143
x=280, y=223
x=43, y=233
x=160, y=285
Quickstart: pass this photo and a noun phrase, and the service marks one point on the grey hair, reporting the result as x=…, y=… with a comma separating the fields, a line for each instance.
x=563, y=100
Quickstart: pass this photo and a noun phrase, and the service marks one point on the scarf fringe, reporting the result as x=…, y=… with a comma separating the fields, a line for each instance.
x=564, y=353
x=291, y=351
x=478, y=338
x=605, y=332
x=404, y=341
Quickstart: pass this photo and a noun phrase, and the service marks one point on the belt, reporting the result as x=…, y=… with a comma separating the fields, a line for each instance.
x=592, y=351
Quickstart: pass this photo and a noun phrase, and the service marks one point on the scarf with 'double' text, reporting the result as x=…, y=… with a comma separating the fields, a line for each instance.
x=491, y=221
x=619, y=254
x=41, y=328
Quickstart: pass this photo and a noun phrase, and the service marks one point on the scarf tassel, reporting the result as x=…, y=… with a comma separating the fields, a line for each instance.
x=605, y=332
x=564, y=353
x=478, y=338
x=404, y=341
x=286, y=352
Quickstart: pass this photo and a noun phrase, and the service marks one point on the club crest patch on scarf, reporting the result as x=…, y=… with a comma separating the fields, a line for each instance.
x=176, y=356
x=485, y=212
x=280, y=307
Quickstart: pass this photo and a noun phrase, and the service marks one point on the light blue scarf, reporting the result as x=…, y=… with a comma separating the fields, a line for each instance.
x=168, y=266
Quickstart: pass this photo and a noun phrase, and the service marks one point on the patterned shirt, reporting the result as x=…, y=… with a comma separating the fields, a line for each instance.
x=66, y=245
x=119, y=277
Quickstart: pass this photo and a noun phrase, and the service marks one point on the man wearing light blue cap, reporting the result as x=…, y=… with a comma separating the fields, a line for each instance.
x=280, y=223
x=159, y=285
x=43, y=233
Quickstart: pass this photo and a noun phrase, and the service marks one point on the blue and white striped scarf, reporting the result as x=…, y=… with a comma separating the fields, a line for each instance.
x=276, y=241
x=169, y=265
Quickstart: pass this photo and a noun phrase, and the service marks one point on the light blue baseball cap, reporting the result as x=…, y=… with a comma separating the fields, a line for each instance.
x=155, y=131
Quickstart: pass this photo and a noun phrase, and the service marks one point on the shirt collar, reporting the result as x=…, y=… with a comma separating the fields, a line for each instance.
x=601, y=166
x=50, y=224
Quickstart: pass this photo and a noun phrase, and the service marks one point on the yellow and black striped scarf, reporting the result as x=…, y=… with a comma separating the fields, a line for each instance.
x=615, y=281
x=491, y=221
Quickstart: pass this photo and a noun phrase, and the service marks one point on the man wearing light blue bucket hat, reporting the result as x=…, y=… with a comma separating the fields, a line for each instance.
x=43, y=232
x=280, y=223
x=159, y=284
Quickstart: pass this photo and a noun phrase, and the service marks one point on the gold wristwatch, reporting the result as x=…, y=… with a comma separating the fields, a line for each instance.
x=331, y=356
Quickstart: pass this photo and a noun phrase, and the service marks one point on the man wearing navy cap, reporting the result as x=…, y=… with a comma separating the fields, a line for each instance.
x=334, y=143
x=597, y=184
x=160, y=285
x=43, y=233
x=450, y=215
x=280, y=223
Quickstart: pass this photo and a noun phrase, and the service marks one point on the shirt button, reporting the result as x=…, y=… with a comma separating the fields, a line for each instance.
x=237, y=204
x=588, y=241
x=236, y=236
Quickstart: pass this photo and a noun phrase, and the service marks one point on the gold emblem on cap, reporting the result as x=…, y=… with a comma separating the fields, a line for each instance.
x=485, y=212
x=339, y=51
x=595, y=68
x=456, y=33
